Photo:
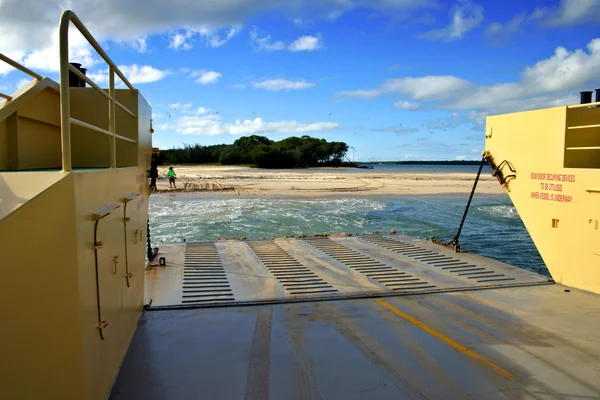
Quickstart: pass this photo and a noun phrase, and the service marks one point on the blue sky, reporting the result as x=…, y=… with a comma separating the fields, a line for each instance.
x=395, y=79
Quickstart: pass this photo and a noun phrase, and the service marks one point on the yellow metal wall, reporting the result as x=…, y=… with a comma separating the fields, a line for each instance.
x=3, y=146
x=30, y=137
x=534, y=143
x=121, y=305
x=91, y=148
x=19, y=187
x=40, y=339
x=51, y=347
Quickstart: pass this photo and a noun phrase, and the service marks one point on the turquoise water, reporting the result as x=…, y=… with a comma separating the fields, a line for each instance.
x=493, y=228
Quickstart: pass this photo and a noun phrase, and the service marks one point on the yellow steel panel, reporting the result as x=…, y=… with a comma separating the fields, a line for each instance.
x=544, y=190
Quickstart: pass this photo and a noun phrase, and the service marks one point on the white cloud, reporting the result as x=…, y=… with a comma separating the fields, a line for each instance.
x=213, y=125
x=306, y=43
x=419, y=88
x=205, y=77
x=277, y=84
x=214, y=40
x=499, y=31
x=184, y=40
x=23, y=30
x=427, y=87
x=202, y=110
x=263, y=41
x=464, y=17
x=47, y=58
x=406, y=105
x=182, y=107
x=365, y=94
x=179, y=41
x=140, y=44
x=143, y=74
x=568, y=13
x=398, y=130
x=135, y=74
x=550, y=82
x=461, y=157
x=333, y=15
x=238, y=86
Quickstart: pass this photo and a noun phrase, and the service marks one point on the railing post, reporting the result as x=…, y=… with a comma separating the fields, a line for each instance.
x=112, y=119
x=65, y=106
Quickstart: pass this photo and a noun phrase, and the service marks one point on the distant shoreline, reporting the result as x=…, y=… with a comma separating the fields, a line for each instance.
x=416, y=162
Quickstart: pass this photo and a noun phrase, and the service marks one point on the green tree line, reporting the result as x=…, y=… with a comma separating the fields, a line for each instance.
x=261, y=152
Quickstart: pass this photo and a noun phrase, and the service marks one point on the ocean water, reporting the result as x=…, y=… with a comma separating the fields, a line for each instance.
x=493, y=227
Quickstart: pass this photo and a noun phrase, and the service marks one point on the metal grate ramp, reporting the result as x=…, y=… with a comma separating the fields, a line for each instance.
x=447, y=263
x=204, y=279
x=293, y=276
x=292, y=269
x=390, y=277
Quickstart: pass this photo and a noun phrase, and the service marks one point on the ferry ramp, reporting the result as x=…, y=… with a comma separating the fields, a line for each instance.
x=370, y=317
x=297, y=269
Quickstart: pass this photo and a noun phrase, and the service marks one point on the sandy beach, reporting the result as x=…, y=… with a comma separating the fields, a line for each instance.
x=315, y=182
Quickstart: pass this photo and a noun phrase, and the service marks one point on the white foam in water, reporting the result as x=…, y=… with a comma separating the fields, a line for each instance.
x=209, y=218
x=505, y=211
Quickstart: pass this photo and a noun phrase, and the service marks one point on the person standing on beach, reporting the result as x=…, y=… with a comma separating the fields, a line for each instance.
x=171, y=176
x=153, y=174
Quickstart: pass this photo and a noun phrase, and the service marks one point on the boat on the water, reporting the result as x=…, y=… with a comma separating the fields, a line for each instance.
x=91, y=311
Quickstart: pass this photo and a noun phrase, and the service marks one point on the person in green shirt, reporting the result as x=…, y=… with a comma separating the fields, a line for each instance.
x=171, y=175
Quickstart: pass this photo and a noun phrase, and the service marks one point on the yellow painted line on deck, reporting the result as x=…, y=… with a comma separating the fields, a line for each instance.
x=445, y=339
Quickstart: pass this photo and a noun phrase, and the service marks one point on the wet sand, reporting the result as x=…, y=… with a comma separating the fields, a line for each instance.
x=315, y=182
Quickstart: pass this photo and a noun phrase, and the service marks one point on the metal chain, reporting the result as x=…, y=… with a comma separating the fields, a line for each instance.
x=454, y=242
x=149, y=251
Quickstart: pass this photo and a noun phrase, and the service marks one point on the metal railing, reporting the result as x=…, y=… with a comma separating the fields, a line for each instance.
x=65, y=109
x=596, y=104
x=21, y=68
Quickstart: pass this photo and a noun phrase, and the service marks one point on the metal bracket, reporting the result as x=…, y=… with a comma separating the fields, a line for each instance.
x=147, y=303
x=102, y=325
x=115, y=262
x=497, y=170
